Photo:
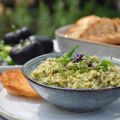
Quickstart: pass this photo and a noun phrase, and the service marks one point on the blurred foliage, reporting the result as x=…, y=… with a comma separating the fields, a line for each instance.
x=41, y=21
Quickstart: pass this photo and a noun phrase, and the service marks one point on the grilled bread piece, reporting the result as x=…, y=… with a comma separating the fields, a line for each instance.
x=116, y=22
x=80, y=27
x=102, y=27
x=16, y=84
x=97, y=29
x=109, y=38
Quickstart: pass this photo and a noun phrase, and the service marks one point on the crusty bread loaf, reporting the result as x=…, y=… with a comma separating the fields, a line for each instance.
x=96, y=29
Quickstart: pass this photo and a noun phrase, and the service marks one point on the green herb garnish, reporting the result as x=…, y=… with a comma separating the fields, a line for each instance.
x=70, y=53
x=104, y=64
x=67, y=57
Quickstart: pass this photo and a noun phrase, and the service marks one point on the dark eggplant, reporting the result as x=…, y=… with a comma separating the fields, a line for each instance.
x=15, y=37
x=23, y=33
x=11, y=38
x=25, y=51
x=46, y=42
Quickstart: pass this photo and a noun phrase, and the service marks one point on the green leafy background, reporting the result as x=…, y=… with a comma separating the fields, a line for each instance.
x=44, y=22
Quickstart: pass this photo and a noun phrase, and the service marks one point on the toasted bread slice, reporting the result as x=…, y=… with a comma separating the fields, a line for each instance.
x=109, y=38
x=96, y=29
x=87, y=21
x=16, y=84
x=101, y=27
x=81, y=26
x=116, y=22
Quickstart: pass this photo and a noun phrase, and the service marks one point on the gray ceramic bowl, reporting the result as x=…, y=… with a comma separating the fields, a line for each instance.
x=77, y=100
x=65, y=43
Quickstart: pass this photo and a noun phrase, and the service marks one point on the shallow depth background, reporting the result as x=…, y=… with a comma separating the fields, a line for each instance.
x=44, y=16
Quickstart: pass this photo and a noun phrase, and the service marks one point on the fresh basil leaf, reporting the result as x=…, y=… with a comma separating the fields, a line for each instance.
x=67, y=57
x=104, y=64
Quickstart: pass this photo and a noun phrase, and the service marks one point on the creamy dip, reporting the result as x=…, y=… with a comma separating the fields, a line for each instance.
x=77, y=72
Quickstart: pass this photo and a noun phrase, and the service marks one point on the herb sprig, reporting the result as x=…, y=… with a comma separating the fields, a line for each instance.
x=80, y=63
x=67, y=57
x=104, y=64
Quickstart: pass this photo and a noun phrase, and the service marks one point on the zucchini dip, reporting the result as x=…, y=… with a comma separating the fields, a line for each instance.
x=77, y=72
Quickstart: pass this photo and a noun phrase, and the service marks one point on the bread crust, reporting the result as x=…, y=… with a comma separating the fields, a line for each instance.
x=116, y=22
x=102, y=26
x=81, y=26
x=109, y=38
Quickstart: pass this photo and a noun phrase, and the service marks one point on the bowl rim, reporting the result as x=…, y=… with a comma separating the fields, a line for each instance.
x=60, y=88
x=58, y=33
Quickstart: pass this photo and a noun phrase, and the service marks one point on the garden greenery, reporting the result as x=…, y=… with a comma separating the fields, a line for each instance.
x=42, y=22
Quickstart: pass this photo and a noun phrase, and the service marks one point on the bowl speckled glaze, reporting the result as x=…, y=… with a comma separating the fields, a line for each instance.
x=76, y=100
